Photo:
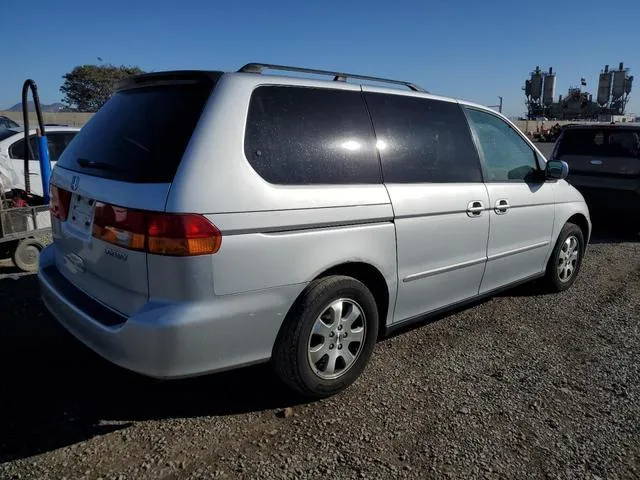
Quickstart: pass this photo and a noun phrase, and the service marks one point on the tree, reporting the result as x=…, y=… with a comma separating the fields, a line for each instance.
x=87, y=87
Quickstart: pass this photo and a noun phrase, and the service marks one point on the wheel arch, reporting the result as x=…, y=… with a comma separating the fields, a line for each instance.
x=373, y=279
x=581, y=221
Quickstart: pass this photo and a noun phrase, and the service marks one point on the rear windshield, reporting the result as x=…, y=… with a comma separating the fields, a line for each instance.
x=139, y=135
x=600, y=142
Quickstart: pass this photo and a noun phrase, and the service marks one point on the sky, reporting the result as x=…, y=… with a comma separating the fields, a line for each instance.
x=476, y=50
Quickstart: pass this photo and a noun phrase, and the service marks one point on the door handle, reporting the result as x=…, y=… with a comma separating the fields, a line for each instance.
x=475, y=208
x=502, y=207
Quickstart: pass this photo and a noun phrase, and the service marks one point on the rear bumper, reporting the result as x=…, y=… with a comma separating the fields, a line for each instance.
x=173, y=340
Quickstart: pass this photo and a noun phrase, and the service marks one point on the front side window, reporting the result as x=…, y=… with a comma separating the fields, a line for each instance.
x=422, y=140
x=302, y=136
x=507, y=156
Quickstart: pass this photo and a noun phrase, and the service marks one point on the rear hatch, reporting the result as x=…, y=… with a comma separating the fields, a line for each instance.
x=110, y=187
x=607, y=157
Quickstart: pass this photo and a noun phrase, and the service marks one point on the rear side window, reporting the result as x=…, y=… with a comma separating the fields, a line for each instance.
x=302, y=136
x=600, y=142
x=17, y=149
x=423, y=140
x=57, y=142
x=139, y=135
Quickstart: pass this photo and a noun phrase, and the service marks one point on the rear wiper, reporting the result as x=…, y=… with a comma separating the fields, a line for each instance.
x=107, y=167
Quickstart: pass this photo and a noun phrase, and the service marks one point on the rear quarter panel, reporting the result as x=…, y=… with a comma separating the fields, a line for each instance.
x=261, y=251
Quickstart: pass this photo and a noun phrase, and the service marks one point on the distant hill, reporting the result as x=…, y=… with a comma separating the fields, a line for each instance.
x=54, y=107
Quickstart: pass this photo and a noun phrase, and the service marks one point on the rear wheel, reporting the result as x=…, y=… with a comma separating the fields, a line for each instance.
x=27, y=254
x=566, y=259
x=327, y=338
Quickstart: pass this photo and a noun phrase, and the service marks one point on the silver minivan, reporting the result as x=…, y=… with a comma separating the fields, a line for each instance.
x=205, y=220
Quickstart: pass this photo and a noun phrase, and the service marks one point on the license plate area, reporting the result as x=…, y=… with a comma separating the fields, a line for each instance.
x=80, y=216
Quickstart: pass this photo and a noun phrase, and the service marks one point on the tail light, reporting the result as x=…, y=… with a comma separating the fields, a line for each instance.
x=120, y=226
x=59, y=202
x=153, y=232
x=169, y=234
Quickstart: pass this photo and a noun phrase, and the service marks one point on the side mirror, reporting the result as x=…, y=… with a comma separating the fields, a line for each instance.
x=557, y=169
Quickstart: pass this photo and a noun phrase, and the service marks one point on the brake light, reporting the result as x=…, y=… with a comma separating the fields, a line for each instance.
x=59, y=202
x=153, y=232
x=170, y=234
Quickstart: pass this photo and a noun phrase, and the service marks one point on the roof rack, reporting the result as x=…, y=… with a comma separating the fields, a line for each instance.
x=337, y=76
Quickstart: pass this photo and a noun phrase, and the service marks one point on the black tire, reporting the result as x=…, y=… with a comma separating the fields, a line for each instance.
x=27, y=254
x=291, y=358
x=553, y=280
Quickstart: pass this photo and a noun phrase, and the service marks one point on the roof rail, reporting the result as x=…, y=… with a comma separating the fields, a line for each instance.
x=337, y=76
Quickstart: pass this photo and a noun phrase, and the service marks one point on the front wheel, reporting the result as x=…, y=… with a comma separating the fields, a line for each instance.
x=566, y=259
x=327, y=338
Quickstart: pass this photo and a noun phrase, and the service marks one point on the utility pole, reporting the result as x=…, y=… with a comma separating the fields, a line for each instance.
x=499, y=107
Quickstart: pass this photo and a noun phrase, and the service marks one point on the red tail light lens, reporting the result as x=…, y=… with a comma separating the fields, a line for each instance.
x=120, y=226
x=170, y=234
x=158, y=233
x=59, y=202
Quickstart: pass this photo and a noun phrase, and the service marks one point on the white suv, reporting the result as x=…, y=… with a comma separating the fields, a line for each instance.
x=12, y=155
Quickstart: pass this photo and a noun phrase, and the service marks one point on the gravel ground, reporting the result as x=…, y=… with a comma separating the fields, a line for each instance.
x=520, y=386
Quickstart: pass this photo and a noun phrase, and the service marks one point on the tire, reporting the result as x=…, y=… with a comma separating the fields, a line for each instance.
x=311, y=354
x=27, y=254
x=562, y=271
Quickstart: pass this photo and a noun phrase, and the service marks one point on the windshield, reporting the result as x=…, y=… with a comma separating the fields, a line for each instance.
x=139, y=135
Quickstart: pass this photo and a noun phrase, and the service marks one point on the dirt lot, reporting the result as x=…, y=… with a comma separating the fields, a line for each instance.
x=523, y=385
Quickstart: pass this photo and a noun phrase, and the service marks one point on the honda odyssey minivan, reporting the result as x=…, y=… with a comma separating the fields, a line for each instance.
x=205, y=221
